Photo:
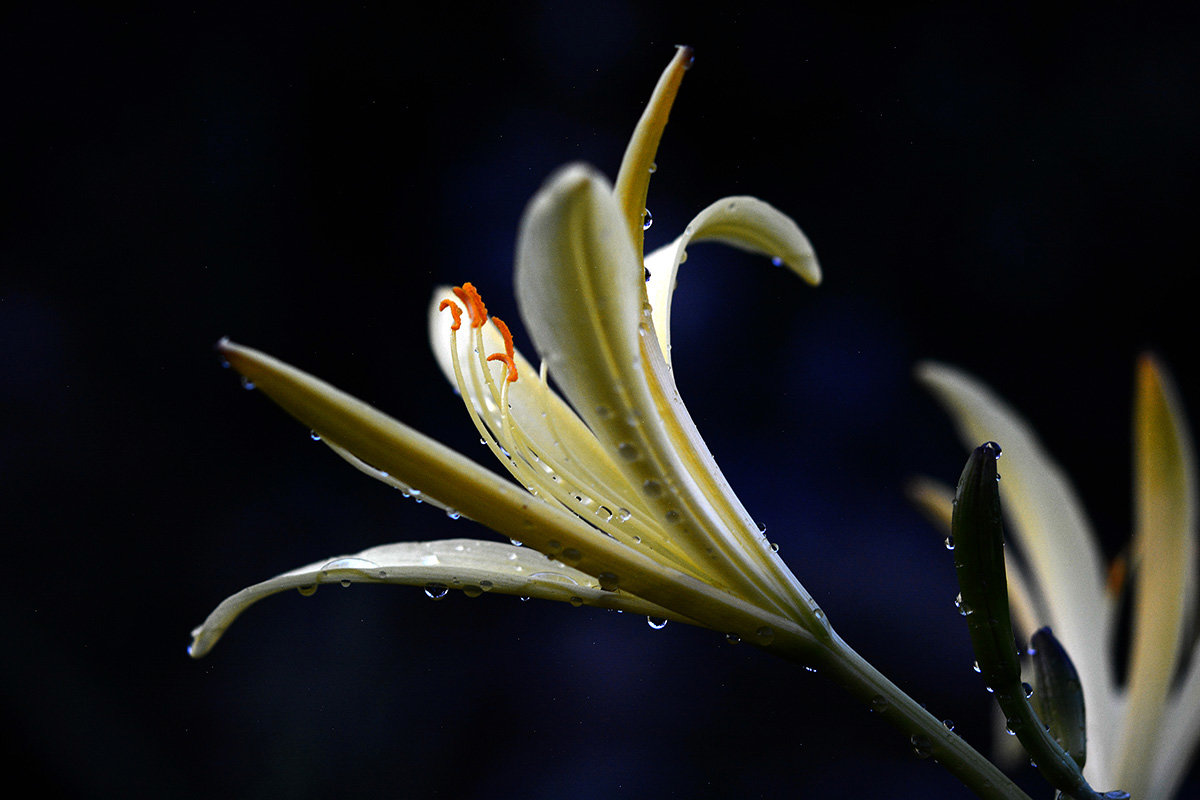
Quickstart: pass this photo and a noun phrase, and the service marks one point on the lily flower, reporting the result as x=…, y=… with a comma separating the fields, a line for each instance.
x=1143, y=726
x=616, y=490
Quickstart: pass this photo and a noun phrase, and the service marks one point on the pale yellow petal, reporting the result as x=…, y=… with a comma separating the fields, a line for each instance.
x=581, y=293
x=470, y=565
x=743, y=222
x=1164, y=546
x=1049, y=526
x=423, y=463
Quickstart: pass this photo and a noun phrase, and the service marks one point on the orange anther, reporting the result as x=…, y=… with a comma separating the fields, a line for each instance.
x=509, y=352
x=1118, y=573
x=470, y=298
x=455, y=312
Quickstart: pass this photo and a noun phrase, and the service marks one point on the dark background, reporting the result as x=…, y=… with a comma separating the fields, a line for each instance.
x=1010, y=191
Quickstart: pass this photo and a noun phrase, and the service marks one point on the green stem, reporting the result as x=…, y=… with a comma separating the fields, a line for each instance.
x=927, y=732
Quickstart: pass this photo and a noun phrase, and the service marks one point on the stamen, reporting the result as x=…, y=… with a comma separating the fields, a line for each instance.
x=470, y=298
x=455, y=312
x=509, y=352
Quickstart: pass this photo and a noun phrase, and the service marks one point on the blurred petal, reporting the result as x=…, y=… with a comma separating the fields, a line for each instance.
x=1164, y=544
x=1052, y=531
x=471, y=565
x=743, y=222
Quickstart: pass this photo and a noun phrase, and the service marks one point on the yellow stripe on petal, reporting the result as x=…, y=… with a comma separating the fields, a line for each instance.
x=743, y=222
x=1164, y=545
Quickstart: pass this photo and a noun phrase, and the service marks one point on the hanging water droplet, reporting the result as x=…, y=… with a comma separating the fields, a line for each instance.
x=307, y=591
x=1116, y=794
x=647, y=220
x=774, y=547
x=975, y=666
x=515, y=543
x=415, y=494
x=948, y=724
x=523, y=598
x=436, y=591
x=777, y=261
x=608, y=581
x=576, y=601
x=316, y=437
x=762, y=527
x=452, y=514
x=247, y=384
x=345, y=582
x=658, y=623
x=880, y=704
x=471, y=590
x=733, y=638
x=949, y=542
x=1025, y=687
x=486, y=585
x=997, y=476
x=653, y=167
x=995, y=448
x=764, y=635
x=921, y=745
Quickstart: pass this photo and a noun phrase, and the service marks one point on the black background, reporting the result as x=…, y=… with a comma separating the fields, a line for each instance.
x=1011, y=191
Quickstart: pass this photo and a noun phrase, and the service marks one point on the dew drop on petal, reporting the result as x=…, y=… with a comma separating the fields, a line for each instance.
x=777, y=261
x=345, y=582
x=472, y=591
x=452, y=514
x=247, y=384
x=764, y=635
x=1027, y=689
x=608, y=581
x=576, y=601
x=486, y=585
x=647, y=220
x=436, y=591
x=652, y=488
x=307, y=591
x=627, y=451
x=316, y=437
x=658, y=623
x=948, y=724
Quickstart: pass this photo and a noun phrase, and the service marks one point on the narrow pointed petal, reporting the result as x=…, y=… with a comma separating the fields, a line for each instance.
x=637, y=165
x=483, y=496
x=1053, y=533
x=743, y=222
x=580, y=289
x=1164, y=544
x=471, y=565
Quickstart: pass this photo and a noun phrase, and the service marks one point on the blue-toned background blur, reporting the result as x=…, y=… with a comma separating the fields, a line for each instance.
x=1013, y=192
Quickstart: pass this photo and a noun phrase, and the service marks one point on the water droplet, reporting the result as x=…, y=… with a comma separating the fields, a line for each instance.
x=658, y=623
x=997, y=476
x=975, y=666
x=452, y=514
x=647, y=220
x=733, y=638
x=623, y=514
x=672, y=517
x=345, y=583
x=576, y=601
x=774, y=547
x=572, y=555
x=603, y=412
x=307, y=591
x=921, y=745
x=415, y=494
x=949, y=542
x=604, y=514
x=523, y=598
x=247, y=384
x=1116, y=794
x=486, y=585
x=653, y=167
x=762, y=527
x=652, y=488
x=553, y=547
x=777, y=261
x=472, y=591
x=1025, y=687
x=880, y=704
x=515, y=543
x=436, y=591
x=995, y=448
x=627, y=451
x=764, y=635
x=948, y=724
x=316, y=437
x=1010, y=731
x=608, y=581
x=809, y=669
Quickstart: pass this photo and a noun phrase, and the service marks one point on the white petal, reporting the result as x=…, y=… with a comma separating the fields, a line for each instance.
x=746, y=223
x=581, y=291
x=1049, y=526
x=1164, y=547
x=471, y=565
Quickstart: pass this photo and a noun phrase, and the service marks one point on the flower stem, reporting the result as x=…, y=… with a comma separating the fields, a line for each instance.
x=929, y=736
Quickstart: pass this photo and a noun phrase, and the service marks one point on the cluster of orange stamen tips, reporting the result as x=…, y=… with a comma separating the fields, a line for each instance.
x=470, y=298
x=509, y=352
